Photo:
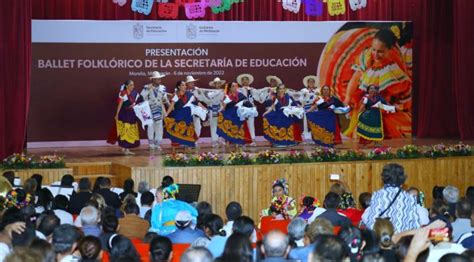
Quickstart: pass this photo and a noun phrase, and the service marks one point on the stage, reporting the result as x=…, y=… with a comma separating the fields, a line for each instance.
x=251, y=184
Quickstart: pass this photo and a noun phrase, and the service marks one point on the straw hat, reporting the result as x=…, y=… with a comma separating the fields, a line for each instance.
x=190, y=79
x=314, y=78
x=156, y=74
x=216, y=80
x=269, y=78
x=241, y=76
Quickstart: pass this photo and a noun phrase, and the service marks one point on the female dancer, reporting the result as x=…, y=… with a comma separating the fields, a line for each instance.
x=370, y=124
x=126, y=120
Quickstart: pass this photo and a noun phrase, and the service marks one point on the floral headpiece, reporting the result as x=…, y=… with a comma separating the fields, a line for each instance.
x=171, y=190
x=14, y=200
x=281, y=183
x=347, y=200
x=315, y=203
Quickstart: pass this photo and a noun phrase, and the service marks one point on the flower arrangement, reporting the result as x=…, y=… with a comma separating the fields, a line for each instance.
x=206, y=159
x=435, y=151
x=296, y=157
x=239, y=158
x=380, y=153
x=460, y=150
x=409, y=152
x=352, y=155
x=50, y=161
x=176, y=159
x=18, y=161
x=268, y=157
x=325, y=154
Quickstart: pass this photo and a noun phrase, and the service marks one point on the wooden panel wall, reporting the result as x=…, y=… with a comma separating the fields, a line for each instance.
x=49, y=175
x=251, y=185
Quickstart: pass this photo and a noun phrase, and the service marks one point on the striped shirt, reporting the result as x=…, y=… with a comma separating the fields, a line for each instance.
x=402, y=213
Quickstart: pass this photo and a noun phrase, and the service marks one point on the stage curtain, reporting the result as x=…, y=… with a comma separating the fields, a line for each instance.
x=15, y=71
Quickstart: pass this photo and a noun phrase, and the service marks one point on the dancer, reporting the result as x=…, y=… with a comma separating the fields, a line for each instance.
x=230, y=126
x=281, y=205
x=155, y=94
x=198, y=116
x=280, y=121
x=215, y=106
x=310, y=92
x=245, y=80
x=179, y=123
x=274, y=82
x=126, y=120
x=322, y=121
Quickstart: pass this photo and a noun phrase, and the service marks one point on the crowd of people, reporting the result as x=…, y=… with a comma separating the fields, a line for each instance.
x=95, y=222
x=308, y=115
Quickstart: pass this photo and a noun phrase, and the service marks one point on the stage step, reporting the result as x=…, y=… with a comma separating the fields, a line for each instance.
x=93, y=170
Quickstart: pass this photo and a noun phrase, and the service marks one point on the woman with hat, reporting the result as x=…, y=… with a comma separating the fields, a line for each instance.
x=126, y=120
x=245, y=80
x=310, y=92
x=370, y=124
x=230, y=127
x=217, y=83
x=179, y=123
x=274, y=82
x=322, y=121
x=278, y=128
x=155, y=94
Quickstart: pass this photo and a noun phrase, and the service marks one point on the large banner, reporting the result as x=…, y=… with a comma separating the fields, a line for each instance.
x=79, y=66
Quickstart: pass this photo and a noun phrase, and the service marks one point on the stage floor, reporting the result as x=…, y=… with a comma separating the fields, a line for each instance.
x=146, y=158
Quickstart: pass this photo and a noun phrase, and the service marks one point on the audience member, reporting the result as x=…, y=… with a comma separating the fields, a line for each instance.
x=60, y=205
x=44, y=200
x=146, y=199
x=111, y=198
x=423, y=213
x=352, y=237
x=275, y=246
x=46, y=226
x=331, y=202
x=132, y=226
x=232, y=212
x=110, y=225
x=45, y=249
x=24, y=238
x=97, y=183
x=10, y=176
x=161, y=249
x=184, y=232
x=204, y=209
x=451, y=197
x=384, y=231
x=318, y=227
x=79, y=199
x=122, y=249
x=393, y=202
x=364, y=200
x=328, y=248
x=67, y=181
x=90, y=221
x=309, y=208
x=128, y=186
x=29, y=186
x=149, y=236
x=197, y=254
x=237, y=248
x=23, y=255
x=213, y=228
x=296, y=230
x=246, y=226
x=90, y=249
x=64, y=242
x=462, y=224
x=438, y=193
x=440, y=211
x=167, y=181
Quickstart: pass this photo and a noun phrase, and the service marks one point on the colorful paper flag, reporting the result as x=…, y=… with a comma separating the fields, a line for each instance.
x=336, y=7
x=357, y=4
x=168, y=10
x=194, y=10
x=142, y=6
x=314, y=7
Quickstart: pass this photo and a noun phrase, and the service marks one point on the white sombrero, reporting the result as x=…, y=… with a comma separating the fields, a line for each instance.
x=269, y=78
x=190, y=79
x=241, y=76
x=156, y=74
x=216, y=80
x=315, y=78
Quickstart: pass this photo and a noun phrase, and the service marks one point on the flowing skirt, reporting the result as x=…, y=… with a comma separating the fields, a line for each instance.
x=322, y=125
x=370, y=125
x=281, y=130
x=231, y=128
x=128, y=135
x=180, y=127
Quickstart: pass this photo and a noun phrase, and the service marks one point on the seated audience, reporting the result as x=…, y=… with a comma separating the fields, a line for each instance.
x=232, y=212
x=296, y=230
x=97, y=183
x=384, y=231
x=111, y=198
x=438, y=193
x=132, y=226
x=146, y=199
x=197, y=254
x=246, y=226
x=328, y=248
x=237, y=248
x=318, y=227
x=10, y=176
x=352, y=237
x=423, y=213
x=440, y=211
x=23, y=255
x=44, y=201
x=184, y=232
x=90, y=221
x=45, y=249
x=275, y=246
x=309, y=208
x=64, y=242
x=387, y=202
x=143, y=187
x=462, y=224
x=60, y=205
x=364, y=200
x=90, y=249
x=110, y=225
x=451, y=197
x=46, y=226
x=79, y=199
x=215, y=234
x=122, y=249
x=149, y=236
x=167, y=181
x=161, y=249
x=331, y=202
x=67, y=181
x=128, y=185
x=204, y=209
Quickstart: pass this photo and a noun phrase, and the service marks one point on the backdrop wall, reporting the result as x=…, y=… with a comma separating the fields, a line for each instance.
x=442, y=44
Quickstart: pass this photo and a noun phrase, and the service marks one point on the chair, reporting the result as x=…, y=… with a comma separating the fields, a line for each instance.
x=144, y=250
x=336, y=230
x=178, y=250
x=268, y=223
